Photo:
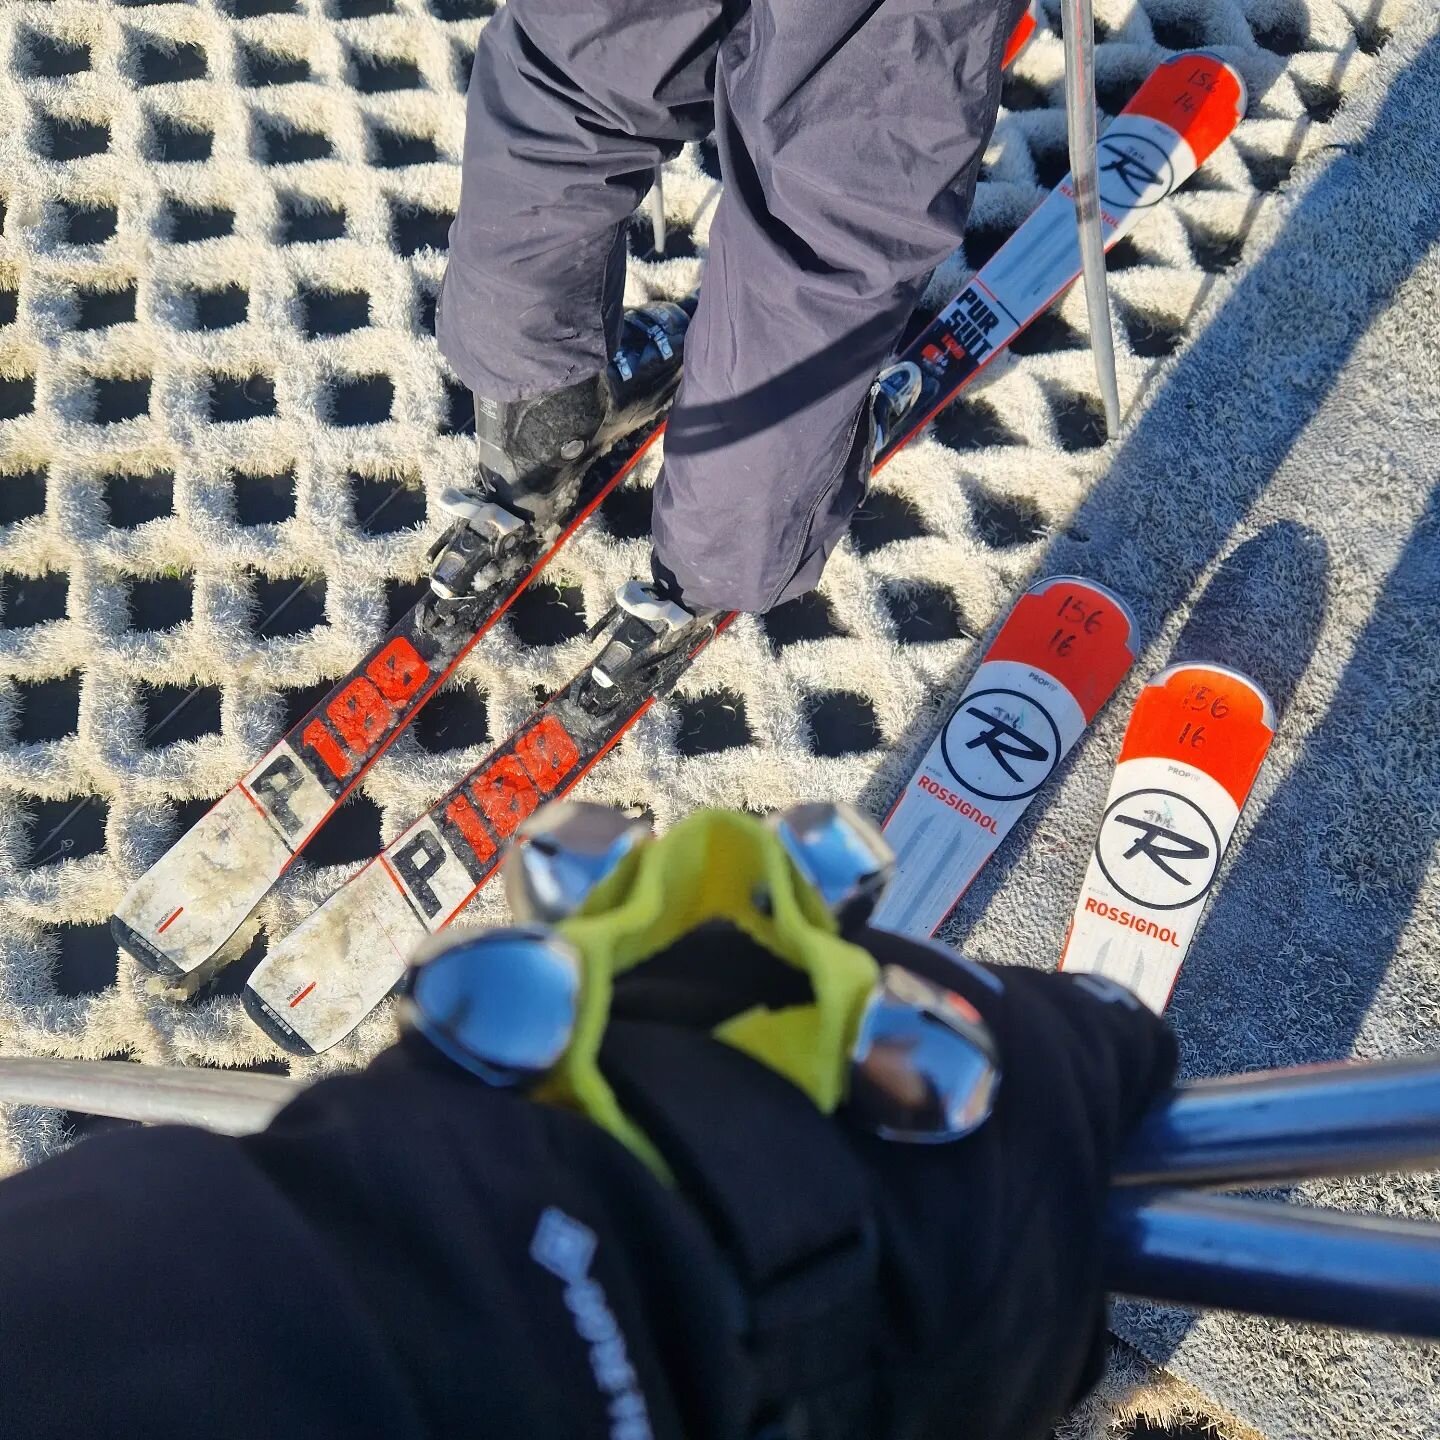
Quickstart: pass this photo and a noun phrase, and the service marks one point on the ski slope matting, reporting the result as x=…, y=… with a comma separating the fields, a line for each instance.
x=224, y=426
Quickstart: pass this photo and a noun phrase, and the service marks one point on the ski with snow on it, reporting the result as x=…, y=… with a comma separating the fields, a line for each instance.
x=182, y=913
x=1195, y=743
x=319, y=982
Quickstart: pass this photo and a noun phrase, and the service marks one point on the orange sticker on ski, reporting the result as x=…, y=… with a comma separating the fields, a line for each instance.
x=1197, y=95
x=1020, y=35
x=1075, y=631
x=1213, y=719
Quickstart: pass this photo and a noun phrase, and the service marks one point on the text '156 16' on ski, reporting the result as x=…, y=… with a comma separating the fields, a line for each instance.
x=1196, y=740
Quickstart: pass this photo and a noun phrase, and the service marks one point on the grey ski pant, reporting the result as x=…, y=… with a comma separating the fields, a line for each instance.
x=850, y=133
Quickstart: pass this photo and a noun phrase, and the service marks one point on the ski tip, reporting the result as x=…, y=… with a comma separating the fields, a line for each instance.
x=264, y=1015
x=1199, y=95
x=1242, y=90
x=1119, y=602
x=1267, y=707
x=141, y=950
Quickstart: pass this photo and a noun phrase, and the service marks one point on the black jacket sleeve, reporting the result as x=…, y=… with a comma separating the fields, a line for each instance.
x=368, y=1266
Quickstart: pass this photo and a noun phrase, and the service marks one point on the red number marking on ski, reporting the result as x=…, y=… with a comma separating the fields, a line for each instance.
x=1195, y=742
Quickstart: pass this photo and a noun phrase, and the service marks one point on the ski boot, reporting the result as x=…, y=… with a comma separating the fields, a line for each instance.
x=534, y=453
x=655, y=627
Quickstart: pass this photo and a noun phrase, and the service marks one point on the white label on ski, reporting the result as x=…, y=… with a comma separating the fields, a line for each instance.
x=1003, y=741
x=1163, y=835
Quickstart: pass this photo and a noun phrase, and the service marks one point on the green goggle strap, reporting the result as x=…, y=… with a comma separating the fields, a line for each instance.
x=715, y=865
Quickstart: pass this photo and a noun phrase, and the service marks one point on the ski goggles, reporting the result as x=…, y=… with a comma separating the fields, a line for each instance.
x=526, y=1006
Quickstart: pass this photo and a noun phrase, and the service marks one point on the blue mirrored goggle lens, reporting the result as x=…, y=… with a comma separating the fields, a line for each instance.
x=924, y=1068
x=502, y=1004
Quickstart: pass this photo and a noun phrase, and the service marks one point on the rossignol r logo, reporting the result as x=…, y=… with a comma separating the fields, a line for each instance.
x=1158, y=849
x=1001, y=744
x=1135, y=172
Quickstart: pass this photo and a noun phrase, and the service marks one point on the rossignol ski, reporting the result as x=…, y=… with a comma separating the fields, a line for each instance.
x=1196, y=740
x=1057, y=659
x=318, y=983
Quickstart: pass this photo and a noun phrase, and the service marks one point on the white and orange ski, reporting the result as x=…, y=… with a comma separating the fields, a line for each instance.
x=1196, y=740
x=1057, y=659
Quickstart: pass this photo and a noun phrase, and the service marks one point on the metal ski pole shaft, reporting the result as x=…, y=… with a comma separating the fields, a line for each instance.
x=225, y=1101
x=1345, y=1119
x=1078, y=27
x=1317, y=1266
x=657, y=211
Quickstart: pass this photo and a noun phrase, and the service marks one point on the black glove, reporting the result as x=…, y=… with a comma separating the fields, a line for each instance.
x=957, y=1287
x=407, y=1252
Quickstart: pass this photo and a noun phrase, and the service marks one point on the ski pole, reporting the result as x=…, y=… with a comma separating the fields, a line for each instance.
x=1319, y=1267
x=1343, y=1119
x=1078, y=27
x=225, y=1101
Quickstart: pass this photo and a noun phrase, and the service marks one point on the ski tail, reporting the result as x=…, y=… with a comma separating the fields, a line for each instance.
x=1056, y=660
x=1195, y=743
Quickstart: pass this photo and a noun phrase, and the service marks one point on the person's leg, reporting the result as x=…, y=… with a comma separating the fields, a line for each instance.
x=571, y=106
x=850, y=135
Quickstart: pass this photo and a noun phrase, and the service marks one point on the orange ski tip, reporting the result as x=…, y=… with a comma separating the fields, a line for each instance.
x=1182, y=672
x=1198, y=95
x=1207, y=716
x=1076, y=630
x=1052, y=582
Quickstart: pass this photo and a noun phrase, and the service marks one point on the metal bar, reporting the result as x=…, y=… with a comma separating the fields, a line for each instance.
x=657, y=212
x=1209, y=1251
x=226, y=1101
x=1314, y=1266
x=1078, y=28
x=1345, y=1119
